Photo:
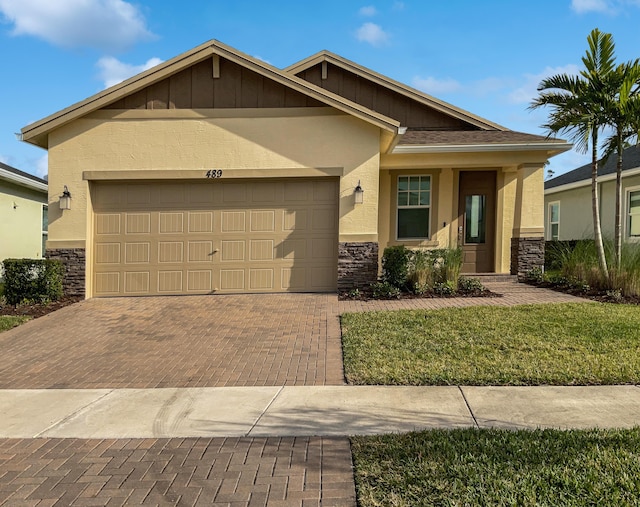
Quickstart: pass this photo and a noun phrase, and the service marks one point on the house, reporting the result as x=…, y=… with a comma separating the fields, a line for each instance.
x=217, y=172
x=23, y=215
x=567, y=200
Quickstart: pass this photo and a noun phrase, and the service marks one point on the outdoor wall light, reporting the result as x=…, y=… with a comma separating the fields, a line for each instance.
x=358, y=193
x=65, y=199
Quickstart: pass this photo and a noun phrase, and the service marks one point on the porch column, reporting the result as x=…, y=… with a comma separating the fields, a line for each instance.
x=527, y=241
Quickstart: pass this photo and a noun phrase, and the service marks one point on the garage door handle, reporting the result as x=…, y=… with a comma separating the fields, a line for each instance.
x=214, y=252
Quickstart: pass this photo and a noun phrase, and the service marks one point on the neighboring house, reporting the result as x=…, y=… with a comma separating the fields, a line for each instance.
x=23, y=215
x=568, y=207
x=217, y=172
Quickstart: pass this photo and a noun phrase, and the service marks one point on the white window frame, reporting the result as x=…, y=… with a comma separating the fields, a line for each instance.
x=45, y=232
x=627, y=214
x=549, y=222
x=419, y=206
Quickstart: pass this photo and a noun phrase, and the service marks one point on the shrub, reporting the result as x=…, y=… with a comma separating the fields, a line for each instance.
x=385, y=290
x=395, y=266
x=468, y=285
x=37, y=280
x=444, y=288
x=535, y=275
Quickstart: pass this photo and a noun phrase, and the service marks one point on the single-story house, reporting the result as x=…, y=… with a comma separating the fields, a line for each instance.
x=23, y=219
x=217, y=172
x=568, y=200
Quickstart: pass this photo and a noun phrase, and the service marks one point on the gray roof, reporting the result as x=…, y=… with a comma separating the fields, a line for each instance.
x=459, y=137
x=630, y=160
x=18, y=172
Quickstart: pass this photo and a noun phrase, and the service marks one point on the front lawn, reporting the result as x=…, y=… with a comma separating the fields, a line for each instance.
x=8, y=322
x=560, y=344
x=498, y=467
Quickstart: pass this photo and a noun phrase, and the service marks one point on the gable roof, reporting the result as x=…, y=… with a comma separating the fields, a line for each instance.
x=22, y=178
x=581, y=176
x=402, y=89
x=37, y=133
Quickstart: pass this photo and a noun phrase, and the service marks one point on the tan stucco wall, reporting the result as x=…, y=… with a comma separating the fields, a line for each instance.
x=20, y=221
x=156, y=140
x=576, y=220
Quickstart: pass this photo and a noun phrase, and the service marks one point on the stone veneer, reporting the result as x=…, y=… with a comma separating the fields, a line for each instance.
x=74, y=260
x=357, y=265
x=526, y=254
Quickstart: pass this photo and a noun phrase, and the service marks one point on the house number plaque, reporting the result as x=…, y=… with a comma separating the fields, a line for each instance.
x=214, y=173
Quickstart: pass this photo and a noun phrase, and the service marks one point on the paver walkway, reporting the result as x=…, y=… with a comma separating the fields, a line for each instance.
x=513, y=293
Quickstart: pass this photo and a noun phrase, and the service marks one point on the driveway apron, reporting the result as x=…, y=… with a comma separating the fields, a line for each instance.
x=181, y=341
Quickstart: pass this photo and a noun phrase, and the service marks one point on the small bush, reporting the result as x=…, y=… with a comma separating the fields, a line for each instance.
x=535, y=275
x=385, y=290
x=37, y=280
x=421, y=271
x=444, y=288
x=468, y=285
x=395, y=266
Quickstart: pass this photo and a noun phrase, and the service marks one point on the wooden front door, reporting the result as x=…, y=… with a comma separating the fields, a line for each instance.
x=476, y=215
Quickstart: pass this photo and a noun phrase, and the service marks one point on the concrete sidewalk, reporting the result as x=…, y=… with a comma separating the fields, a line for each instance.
x=307, y=411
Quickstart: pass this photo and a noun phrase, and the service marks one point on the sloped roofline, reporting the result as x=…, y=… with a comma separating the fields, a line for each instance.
x=396, y=86
x=22, y=178
x=37, y=133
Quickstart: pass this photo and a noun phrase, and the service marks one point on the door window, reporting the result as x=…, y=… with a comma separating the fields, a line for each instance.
x=475, y=219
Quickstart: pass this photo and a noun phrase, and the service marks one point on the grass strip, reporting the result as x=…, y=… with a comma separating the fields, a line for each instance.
x=498, y=467
x=8, y=322
x=550, y=344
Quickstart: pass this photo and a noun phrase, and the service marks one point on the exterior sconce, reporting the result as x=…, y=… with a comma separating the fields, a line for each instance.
x=358, y=193
x=65, y=199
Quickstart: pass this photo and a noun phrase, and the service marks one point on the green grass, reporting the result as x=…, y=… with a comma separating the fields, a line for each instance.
x=8, y=322
x=562, y=344
x=499, y=467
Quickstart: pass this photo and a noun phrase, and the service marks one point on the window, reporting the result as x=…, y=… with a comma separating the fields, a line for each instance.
x=553, y=221
x=414, y=206
x=45, y=227
x=475, y=219
x=633, y=213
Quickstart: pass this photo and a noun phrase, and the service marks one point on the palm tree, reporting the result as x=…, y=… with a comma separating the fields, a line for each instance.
x=577, y=111
x=624, y=111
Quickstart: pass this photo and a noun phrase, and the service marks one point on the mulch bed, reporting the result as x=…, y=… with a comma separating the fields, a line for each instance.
x=368, y=296
x=37, y=310
x=601, y=296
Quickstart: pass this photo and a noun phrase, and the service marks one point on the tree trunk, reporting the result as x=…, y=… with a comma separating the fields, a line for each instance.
x=618, y=223
x=597, y=230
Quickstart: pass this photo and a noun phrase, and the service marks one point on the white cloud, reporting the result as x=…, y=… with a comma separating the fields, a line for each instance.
x=435, y=86
x=262, y=59
x=109, y=25
x=368, y=10
x=373, y=34
x=611, y=7
x=526, y=92
x=581, y=6
x=3, y=159
x=113, y=71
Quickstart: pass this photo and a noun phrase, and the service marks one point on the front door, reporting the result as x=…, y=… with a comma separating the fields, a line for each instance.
x=476, y=215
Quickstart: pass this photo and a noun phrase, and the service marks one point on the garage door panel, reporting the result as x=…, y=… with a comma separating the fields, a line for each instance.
x=138, y=223
x=171, y=223
x=263, y=221
x=170, y=282
x=232, y=280
x=170, y=252
x=199, y=281
x=136, y=282
x=206, y=240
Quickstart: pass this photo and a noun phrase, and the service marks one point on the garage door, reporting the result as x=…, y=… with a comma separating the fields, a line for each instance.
x=222, y=236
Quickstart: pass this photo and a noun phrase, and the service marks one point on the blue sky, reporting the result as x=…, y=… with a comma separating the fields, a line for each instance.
x=484, y=56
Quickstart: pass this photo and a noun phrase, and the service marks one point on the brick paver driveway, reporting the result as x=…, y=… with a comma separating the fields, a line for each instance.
x=191, y=341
